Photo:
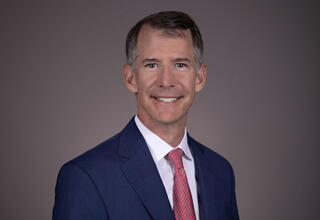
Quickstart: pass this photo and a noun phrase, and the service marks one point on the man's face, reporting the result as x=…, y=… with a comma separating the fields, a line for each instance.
x=165, y=78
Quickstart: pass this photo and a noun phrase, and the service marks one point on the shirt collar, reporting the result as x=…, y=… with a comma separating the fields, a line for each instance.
x=158, y=147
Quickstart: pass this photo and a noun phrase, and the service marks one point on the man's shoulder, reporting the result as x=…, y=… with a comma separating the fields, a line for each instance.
x=105, y=155
x=105, y=150
x=98, y=156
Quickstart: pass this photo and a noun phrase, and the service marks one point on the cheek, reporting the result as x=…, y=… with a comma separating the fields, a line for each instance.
x=189, y=84
x=144, y=91
x=146, y=85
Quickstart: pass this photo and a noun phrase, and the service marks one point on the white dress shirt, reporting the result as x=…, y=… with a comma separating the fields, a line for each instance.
x=159, y=149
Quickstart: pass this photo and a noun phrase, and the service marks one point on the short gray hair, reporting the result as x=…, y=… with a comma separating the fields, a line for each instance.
x=171, y=22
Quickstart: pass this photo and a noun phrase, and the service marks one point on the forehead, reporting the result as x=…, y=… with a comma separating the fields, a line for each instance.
x=152, y=38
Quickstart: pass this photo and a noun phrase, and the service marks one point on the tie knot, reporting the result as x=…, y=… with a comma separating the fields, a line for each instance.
x=175, y=157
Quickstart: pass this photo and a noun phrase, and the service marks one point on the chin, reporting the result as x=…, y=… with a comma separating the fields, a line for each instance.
x=169, y=118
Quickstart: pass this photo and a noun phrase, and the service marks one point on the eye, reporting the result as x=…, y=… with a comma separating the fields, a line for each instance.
x=151, y=65
x=181, y=65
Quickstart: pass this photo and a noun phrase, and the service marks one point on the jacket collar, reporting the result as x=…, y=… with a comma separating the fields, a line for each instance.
x=205, y=181
x=142, y=174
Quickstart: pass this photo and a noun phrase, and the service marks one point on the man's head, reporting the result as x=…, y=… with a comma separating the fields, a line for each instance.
x=171, y=23
x=164, y=67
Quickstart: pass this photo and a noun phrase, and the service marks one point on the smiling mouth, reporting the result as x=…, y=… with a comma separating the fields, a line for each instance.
x=167, y=100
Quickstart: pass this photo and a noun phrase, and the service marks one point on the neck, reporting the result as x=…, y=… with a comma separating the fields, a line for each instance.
x=171, y=133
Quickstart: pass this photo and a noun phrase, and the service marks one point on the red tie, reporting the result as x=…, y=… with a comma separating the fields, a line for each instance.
x=182, y=199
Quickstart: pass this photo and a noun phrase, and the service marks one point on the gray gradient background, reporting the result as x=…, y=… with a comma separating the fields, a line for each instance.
x=62, y=93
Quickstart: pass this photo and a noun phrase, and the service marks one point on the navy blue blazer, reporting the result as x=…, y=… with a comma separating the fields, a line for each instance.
x=118, y=180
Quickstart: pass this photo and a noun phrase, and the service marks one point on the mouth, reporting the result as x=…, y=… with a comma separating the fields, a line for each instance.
x=166, y=99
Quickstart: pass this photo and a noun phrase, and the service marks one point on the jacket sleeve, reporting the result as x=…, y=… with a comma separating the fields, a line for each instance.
x=76, y=196
x=233, y=209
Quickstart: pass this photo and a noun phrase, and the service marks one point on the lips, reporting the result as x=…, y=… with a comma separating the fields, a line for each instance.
x=167, y=99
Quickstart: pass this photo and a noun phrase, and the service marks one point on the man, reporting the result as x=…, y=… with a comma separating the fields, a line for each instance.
x=153, y=169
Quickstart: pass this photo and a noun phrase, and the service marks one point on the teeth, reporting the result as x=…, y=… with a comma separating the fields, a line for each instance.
x=167, y=99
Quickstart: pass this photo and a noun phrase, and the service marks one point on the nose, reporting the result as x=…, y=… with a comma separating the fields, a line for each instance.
x=166, y=78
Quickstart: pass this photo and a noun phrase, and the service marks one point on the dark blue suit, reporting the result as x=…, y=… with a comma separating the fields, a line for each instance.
x=118, y=180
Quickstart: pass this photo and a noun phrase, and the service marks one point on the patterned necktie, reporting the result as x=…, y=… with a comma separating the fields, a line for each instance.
x=182, y=199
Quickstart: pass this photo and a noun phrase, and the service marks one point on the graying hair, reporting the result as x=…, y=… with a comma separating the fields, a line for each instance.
x=171, y=22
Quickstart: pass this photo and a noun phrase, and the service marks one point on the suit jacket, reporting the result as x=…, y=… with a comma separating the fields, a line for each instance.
x=118, y=180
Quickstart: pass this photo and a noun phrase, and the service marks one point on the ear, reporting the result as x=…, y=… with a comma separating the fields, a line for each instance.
x=201, y=77
x=129, y=78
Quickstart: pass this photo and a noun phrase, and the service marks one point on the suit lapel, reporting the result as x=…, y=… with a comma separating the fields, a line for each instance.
x=205, y=182
x=142, y=174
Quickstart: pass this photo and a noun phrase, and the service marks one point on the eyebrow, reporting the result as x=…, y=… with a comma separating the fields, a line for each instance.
x=182, y=60
x=155, y=60
x=150, y=60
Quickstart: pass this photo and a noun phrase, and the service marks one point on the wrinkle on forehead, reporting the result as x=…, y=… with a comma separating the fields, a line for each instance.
x=150, y=37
